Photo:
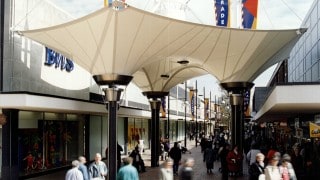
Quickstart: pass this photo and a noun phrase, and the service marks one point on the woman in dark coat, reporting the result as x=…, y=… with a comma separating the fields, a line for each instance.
x=257, y=168
x=234, y=160
x=208, y=157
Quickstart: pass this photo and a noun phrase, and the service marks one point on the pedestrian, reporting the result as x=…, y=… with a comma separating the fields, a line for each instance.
x=271, y=151
x=98, y=168
x=138, y=162
x=166, y=171
x=83, y=168
x=256, y=169
x=272, y=171
x=175, y=154
x=286, y=170
x=162, y=152
x=234, y=160
x=119, y=150
x=74, y=173
x=209, y=157
x=203, y=143
x=223, y=159
x=251, y=155
x=140, y=146
x=127, y=171
x=186, y=171
x=297, y=162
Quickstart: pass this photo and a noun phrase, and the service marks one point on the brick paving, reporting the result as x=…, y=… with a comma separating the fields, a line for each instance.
x=152, y=173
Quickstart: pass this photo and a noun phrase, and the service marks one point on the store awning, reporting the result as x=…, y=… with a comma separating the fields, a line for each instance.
x=131, y=41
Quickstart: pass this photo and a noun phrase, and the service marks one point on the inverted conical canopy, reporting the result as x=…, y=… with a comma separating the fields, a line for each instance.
x=132, y=41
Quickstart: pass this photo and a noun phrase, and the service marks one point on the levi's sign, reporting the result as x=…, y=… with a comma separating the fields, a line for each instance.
x=58, y=60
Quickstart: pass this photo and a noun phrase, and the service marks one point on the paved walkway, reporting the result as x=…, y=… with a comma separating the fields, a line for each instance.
x=199, y=168
x=200, y=171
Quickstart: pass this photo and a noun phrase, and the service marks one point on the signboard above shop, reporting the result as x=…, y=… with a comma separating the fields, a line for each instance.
x=58, y=60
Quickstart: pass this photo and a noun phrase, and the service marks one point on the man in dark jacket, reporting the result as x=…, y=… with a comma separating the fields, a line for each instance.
x=175, y=154
x=137, y=160
x=223, y=158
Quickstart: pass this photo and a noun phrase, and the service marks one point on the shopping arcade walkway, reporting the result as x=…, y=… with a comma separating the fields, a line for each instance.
x=199, y=168
x=152, y=173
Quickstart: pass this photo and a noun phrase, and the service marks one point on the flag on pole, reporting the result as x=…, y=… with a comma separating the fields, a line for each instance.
x=163, y=107
x=222, y=12
x=108, y=3
x=191, y=95
x=206, y=108
x=249, y=14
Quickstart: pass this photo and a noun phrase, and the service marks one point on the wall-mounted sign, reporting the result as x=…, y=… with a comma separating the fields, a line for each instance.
x=58, y=60
x=314, y=130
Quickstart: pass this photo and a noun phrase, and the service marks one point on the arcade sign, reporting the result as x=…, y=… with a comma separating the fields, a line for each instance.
x=58, y=60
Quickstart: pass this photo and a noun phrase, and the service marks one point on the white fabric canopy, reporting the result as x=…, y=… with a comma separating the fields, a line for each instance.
x=134, y=42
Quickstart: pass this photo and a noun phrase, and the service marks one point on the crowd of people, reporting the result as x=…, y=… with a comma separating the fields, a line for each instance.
x=79, y=170
x=292, y=159
x=132, y=165
x=265, y=160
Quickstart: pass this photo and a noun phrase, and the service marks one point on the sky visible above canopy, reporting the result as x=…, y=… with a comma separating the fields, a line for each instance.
x=272, y=14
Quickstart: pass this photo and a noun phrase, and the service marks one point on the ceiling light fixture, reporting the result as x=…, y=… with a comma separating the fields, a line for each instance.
x=164, y=76
x=183, y=62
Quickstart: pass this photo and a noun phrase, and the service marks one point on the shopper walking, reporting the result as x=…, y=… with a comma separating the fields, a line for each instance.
x=209, y=157
x=166, y=171
x=256, y=169
x=234, y=160
x=175, y=154
x=138, y=162
x=74, y=173
x=98, y=168
x=272, y=171
x=223, y=153
x=83, y=168
x=186, y=171
x=127, y=171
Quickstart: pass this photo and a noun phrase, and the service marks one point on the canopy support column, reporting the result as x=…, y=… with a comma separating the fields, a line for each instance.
x=113, y=95
x=155, y=102
x=236, y=92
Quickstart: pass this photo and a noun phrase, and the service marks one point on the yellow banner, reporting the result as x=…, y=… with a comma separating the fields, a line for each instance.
x=314, y=130
x=107, y=3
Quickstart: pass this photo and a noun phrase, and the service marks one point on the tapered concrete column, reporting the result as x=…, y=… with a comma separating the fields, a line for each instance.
x=155, y=102
x=236, y=92
x=112, y=94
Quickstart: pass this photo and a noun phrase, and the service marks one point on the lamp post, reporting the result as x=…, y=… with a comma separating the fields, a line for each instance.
x=236, y=93
x=112, y=94
x=196, y=113
x=168, y=123
x=155, y=102
x=185, y=114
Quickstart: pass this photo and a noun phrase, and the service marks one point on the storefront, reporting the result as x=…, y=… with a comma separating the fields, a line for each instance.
x=49, y=140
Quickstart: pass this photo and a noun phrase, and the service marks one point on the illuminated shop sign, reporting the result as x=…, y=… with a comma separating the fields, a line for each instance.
x=58, y=60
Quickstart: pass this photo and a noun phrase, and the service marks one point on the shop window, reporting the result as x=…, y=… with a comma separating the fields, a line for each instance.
x=48, y=144
x=138, y=131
